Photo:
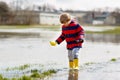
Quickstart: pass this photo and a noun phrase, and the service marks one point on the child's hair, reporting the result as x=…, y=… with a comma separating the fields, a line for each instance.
x=65, y=17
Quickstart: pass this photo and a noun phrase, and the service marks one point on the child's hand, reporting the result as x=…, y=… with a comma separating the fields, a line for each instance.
x=80, y=40
x=53, y=43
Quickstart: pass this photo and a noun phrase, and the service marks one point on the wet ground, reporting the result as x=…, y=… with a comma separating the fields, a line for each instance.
x=95, y=56
x=97, y=71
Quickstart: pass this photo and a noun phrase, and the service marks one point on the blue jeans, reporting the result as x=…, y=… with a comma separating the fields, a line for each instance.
x=73, y=54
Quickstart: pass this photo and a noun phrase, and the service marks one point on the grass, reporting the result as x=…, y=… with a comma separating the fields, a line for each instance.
x=57, y=28
x=34, y=75
x=43, y=74
x=14, y=26
x=114, y=31
x=48, y=27
x=22, y=67
x=54, y=28
x=113, y=59
x=89, y=63
x=28, y=26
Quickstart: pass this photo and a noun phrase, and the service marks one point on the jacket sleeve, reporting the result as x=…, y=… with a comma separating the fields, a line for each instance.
x=61, y=38
x=81, y=33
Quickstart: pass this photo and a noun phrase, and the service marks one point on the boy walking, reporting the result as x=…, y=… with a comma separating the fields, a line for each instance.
x=73, y=34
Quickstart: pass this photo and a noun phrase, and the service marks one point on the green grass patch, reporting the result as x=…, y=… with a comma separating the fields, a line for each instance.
x=35, y=75
x=89, y=63
x=22, y=67
x=113, y=31
x=49, y=72
x=48, y=27
x=113, y=60
x=25, y=78
x=44, y=27
x=14, y=26
x=38, y=73
x=53, y=27
x=43, y=74
x=2, y=78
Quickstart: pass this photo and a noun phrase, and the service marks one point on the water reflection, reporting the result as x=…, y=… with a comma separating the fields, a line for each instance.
x=19, y=34
x=73, y=75
x=111, y=38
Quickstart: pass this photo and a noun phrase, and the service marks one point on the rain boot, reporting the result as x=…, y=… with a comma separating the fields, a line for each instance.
x=76, y=64
x=71, y=64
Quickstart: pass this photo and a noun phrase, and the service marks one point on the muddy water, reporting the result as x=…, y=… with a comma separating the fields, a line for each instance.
x=98, y=49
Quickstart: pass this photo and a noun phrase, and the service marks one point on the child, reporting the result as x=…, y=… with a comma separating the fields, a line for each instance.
x=73, y=34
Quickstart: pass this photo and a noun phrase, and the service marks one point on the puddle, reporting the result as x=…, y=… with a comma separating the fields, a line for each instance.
x=17, y=50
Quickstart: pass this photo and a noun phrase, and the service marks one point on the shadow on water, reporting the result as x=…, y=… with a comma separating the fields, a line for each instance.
x=106, y=38
x=73, y=75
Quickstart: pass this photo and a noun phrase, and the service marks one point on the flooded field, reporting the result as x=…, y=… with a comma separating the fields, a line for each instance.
x=96, y=56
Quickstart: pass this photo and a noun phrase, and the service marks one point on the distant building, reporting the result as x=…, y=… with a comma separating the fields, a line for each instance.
x=78, y=15
x=100, y=17
x=99, y=20
x=110, y=20
x=88, y=18
x=33, y=17
x=52, y=18
x=106, y=18
x=113, y=19
x=49, y=18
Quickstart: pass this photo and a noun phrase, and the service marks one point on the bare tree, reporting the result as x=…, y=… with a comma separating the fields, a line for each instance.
x=4, y=13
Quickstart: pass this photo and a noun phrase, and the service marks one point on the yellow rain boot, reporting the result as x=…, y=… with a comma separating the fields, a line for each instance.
x=76, y=64
x=71, y=64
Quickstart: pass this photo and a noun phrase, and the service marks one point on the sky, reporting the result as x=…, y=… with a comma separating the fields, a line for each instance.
x=89, y=4
x=77, y=4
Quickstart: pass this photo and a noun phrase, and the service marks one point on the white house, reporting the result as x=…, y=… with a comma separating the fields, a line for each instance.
x=98, y=22
x=49, y=18
x=110, y=20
